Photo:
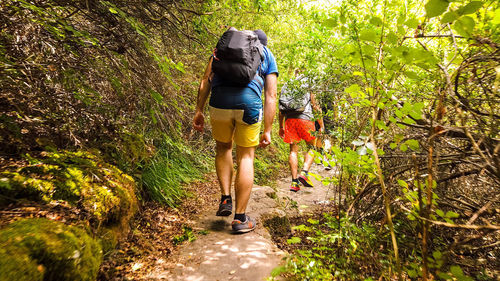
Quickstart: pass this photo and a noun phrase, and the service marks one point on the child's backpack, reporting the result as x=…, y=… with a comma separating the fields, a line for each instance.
x=237, y=56
x=294, y=98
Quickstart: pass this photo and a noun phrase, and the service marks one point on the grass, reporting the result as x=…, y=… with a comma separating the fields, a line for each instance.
x=173, y=165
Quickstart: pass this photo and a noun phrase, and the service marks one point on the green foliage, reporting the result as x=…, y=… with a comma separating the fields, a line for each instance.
x=81, y=178
x=40, y=249
x=188, y=235
x=173, y=165
x=337, y=249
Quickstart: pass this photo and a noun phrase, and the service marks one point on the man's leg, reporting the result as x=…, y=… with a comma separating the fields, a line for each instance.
x=304, y=177
x=309, y=158
x=224, y=166
x=224, y=169
x=293, y=159
x=244, y=177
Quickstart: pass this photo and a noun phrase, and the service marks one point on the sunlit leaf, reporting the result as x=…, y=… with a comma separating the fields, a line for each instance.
x=464, y=26
x=470, y=8
x=376, y=21
x=449, y=17
x=368, y=35
x=434, y=8
x=294, y=240
x=412, y=23
x=330, y=23
x=402, y=183
x=411, y=75
x=392, y=38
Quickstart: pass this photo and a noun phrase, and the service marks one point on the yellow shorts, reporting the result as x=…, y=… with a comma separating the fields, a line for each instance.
x=227, y=125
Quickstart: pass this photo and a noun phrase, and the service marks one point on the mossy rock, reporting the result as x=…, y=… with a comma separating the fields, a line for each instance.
x=41, y=249
x=81, y=178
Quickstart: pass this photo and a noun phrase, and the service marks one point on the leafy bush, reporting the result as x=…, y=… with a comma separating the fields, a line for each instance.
x=333, y=249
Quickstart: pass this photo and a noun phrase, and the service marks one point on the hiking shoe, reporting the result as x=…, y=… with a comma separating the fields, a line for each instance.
x=225, y=208
x=304, y=179
x=294, y=186
x=242, y=227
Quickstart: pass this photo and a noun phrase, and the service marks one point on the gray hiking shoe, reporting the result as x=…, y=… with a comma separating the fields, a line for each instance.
x=242, y=227
x=225, y=208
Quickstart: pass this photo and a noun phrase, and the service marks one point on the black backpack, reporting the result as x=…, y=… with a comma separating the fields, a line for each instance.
x=294, y=98
x=237, y=56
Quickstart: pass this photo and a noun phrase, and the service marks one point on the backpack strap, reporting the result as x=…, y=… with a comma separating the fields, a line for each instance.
x=259, y=74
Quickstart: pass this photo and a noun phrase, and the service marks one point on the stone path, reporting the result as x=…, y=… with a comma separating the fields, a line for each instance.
x=220, y=255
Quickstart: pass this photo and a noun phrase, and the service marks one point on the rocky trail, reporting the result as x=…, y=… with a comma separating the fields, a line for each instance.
x=221, y=255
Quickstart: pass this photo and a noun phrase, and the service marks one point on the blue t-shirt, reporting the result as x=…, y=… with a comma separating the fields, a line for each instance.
x=249, y=98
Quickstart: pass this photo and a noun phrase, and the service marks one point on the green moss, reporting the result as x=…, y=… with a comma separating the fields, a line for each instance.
x=35, y=247
x=80, y=178
x=16, y=265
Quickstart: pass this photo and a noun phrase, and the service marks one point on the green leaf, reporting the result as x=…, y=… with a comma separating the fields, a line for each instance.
x=113, y=10
x=156, y=96
x=437, y=255
x=368, y=35
x=403, y=147
x=401, y=19
x=392, y=38
x=434, y=8
x=301, y=227
x=330, y=23
x=293, y=240
x=278, y=270
x=440, y=213
x=402, y=183
x=464, y=26
x=312, y=221
x=393, y=145
x=444, y=276
x=412, y=23
x=408, y=120
x=496, y=17
x=449, y=17
x=411, y=75
x=456, y=270
x=451, y=214
x=413, y=144
x=412, y=273
x=401, y=30
x=470, y=8
x=352, y=89
x=376, y=21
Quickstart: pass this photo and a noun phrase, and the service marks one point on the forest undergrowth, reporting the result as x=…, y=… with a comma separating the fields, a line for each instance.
x=95, y=127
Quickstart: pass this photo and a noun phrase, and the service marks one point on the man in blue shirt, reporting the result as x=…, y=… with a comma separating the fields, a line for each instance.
x=236, y=116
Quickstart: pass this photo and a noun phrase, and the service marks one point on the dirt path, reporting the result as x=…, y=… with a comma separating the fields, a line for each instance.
x=220, y=255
